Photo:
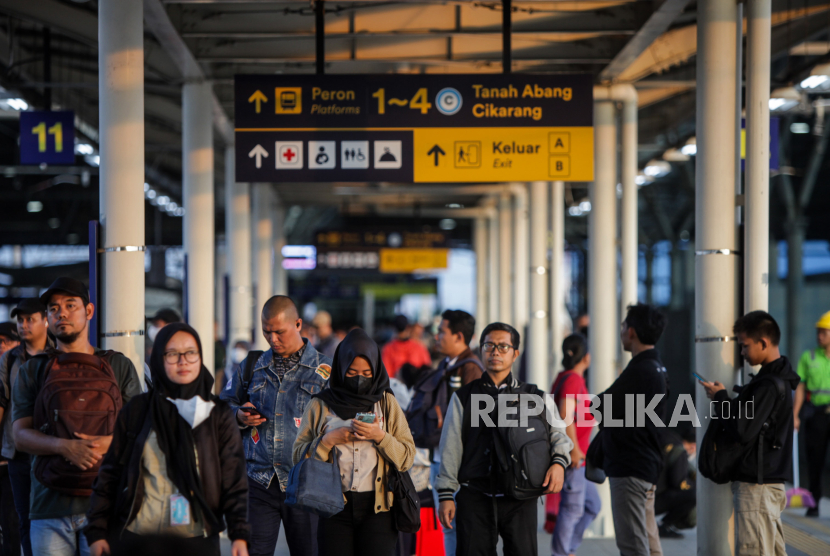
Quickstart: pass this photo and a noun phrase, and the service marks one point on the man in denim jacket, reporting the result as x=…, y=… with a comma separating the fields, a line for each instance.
x=283, y=380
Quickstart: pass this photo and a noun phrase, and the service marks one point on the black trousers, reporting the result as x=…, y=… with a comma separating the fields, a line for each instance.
x=8, y=515
x=131, y=544
x=266, y=509
x=817, y=436
x=677, y=505
x=358, y=530
x=481, y=519
x=20, y=474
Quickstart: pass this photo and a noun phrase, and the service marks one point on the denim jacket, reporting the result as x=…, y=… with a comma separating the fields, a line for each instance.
x=268, y=447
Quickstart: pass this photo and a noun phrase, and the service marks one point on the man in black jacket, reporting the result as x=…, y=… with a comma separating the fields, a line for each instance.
x=758, y=490
x=633, y=455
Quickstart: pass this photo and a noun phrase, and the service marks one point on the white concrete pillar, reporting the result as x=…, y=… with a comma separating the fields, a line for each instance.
x=198, y=226
x=557, y=261
x=539, y=368
x=238, y=254
x=716, y=263
x=628, y=212
x=263, y=251
x=521, y=256
x=121, y=205
x=221, y=264
x=482, y=254
x=280, y=274
x=602, y=273
x=493, y=271
x=757, y=190
x=505, y=265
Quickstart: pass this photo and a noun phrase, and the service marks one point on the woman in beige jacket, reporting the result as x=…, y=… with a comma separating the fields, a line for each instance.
x=357, y=420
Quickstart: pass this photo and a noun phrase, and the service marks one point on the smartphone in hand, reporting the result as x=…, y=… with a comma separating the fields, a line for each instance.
x=365, y=417
x=254, y=412
x=700, y=378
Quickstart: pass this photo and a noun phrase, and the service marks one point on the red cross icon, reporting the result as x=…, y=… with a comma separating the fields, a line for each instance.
x=288, y=154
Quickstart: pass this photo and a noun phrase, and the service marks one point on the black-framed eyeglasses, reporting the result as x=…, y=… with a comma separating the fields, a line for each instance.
x=173, y=357
x=490, y=346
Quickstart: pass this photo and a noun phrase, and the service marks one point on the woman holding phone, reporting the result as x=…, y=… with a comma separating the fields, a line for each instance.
x=357, y=420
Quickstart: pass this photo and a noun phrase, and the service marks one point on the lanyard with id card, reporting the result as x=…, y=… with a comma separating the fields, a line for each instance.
x=179, y=510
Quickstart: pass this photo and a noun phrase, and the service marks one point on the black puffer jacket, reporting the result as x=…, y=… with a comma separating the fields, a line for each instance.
x=118, y=491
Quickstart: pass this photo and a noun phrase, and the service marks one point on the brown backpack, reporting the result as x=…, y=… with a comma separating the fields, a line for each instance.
x=79, y=393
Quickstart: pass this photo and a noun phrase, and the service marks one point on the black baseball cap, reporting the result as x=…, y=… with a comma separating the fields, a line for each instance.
x=167, y=315
x=9, y=330
x=66, y=285
x=29, y=306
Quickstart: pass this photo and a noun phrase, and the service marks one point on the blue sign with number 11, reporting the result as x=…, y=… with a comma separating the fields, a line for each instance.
x=47, y=137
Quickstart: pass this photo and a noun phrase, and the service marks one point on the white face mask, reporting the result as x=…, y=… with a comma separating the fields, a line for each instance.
x=194, y=411
x=238, y=355
x=152, y=332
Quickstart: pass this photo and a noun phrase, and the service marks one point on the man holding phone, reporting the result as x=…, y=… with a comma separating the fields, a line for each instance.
x=270, y=391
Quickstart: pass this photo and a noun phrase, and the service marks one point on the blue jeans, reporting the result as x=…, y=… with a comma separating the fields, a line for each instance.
x=449, y=534
x=578, y=507
x=61, y=536
x=20, y=470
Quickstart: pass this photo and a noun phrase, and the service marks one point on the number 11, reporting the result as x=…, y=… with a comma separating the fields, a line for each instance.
x=41, y=132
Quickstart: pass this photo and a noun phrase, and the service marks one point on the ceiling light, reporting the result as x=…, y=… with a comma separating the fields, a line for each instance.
x=180, y=211
x=447, y=224
x=675, y=155
x=800, y=127
x=454, y=206
x=814, y=82
x=34, y=206
x=17, y=104
x=657, y=168
x=690, y=148
x=575, y=211
x=84, y=148
x=163, y=200
x=93, y=160
x=784, y=98
x=641, y=179
x=585, y=206
x=151, y=194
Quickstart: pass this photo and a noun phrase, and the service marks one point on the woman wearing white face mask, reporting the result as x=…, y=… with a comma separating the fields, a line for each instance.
x=176, y=465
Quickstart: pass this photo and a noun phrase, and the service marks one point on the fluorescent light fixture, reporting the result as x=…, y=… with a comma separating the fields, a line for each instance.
x=657, y=168
x=17, y=104
x=814, y=82
x=162, y=200
x=454, y=206
x=146, y=187
x=783, y=99
x=34, y=206
x=93, y=160
x=585, y=206
x=574, y=211
x=171, y=207
x=690, y=148
x=84, y=148
x=447, y=224
x=151, y=194
x=800, y=127
x=675, y=155
x=641, y=179
x=180, y=211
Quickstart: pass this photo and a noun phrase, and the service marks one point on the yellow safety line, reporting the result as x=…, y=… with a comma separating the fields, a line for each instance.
x=802, y=541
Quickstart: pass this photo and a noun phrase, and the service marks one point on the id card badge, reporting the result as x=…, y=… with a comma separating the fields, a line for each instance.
x=179, y=510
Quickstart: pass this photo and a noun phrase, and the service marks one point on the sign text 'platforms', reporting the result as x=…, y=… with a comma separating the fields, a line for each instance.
x=414, y=128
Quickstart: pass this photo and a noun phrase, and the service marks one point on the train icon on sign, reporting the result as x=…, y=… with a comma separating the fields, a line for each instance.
x=448, y=101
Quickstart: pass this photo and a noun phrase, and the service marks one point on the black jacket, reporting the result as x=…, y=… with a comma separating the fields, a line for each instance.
x=118, y=491
x=768, y=406
x=635, y=451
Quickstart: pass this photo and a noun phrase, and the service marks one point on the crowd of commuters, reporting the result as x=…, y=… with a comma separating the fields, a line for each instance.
x=93, y=464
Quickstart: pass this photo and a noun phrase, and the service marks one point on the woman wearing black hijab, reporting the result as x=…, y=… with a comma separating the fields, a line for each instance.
x=332, y=427
x=176, y=465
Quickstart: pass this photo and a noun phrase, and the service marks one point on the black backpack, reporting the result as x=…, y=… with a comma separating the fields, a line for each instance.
x=429, y=405
x=721, y=455
x=247, y=372
x=523, y=453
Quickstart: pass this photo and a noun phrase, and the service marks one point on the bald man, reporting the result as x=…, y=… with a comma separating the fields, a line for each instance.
x=269, y=392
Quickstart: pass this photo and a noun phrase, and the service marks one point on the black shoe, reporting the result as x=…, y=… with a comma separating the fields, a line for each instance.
x=812, y=512
x=669, y=532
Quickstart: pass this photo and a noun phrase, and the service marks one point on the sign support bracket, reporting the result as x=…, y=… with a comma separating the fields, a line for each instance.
x=506, y=16
x=320, y=35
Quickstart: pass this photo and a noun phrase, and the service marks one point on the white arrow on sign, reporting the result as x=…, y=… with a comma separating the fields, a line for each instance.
x=258, y=152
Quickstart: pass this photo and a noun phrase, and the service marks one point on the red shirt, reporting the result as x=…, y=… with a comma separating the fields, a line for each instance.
x=397, y=352
x=572, y=385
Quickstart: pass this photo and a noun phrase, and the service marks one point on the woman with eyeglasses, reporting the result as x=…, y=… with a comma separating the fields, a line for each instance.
x=176, y=465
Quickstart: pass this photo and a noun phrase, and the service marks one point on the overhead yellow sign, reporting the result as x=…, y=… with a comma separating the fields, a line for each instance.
x=503, y=154
x=404, y=261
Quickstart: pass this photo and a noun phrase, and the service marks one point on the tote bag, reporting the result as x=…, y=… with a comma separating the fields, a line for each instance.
x=314, y=485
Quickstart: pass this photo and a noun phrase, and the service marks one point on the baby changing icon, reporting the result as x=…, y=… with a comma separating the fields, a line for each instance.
x=321, y=155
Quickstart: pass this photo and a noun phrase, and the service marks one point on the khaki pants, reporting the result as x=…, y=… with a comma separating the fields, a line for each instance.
x=632, y=504
x=758, y=527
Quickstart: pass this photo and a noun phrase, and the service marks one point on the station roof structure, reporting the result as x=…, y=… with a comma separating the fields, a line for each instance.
x=48, y=52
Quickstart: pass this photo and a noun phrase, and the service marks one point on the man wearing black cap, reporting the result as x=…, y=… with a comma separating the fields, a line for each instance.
x=58, y=518
x=8, y=337
x=30, y=314
x=162, y=318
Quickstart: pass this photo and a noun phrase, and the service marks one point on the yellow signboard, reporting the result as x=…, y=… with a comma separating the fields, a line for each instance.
x=503, y=154
x=404, y=261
